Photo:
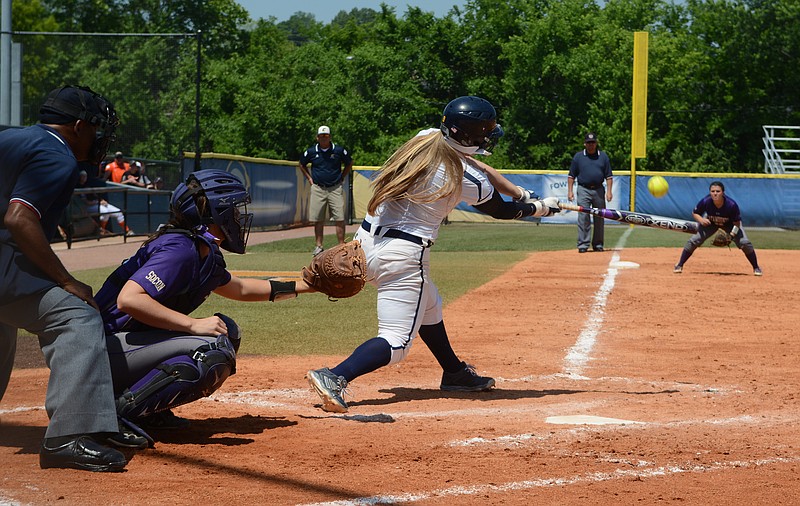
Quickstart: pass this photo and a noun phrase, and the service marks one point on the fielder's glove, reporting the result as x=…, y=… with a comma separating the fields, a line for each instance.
x=339, y=272
x=547, y=206
x=721, y=239
x=527, y=196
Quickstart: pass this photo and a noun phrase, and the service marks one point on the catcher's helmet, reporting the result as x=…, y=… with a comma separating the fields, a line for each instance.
x=227, y=205
x=471, y=122
x=69, y=103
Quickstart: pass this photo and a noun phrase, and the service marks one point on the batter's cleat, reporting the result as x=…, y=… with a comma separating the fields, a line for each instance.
x=82, y=452
x=331, y=389
x=677, y=269
x=465, y=380
x=757, y=271
x=317, y=250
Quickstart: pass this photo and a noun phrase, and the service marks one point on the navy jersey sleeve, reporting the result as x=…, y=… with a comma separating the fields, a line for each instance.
x=606, y=166
x=305, y=158
x=49, y=177
x=347, y=158
x=573, y=167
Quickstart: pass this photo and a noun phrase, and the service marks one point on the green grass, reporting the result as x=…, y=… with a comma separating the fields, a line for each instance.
x=311, y=324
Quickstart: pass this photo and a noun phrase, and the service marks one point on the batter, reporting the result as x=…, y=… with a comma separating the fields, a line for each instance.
x=413, y=193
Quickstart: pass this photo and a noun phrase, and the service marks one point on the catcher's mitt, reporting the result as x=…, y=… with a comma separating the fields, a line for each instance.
x=338, y=272
x=721, y=239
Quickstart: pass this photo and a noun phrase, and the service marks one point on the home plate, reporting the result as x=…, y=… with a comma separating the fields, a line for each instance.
x=587, y=420
x=622, y=264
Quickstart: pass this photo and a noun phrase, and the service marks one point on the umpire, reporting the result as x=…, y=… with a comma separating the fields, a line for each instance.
x=40, y=166
x=591, y=168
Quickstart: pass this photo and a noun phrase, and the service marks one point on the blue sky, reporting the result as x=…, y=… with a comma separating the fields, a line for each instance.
x=325, y=10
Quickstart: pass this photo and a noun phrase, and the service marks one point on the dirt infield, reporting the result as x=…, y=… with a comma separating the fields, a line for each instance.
x=616, y=383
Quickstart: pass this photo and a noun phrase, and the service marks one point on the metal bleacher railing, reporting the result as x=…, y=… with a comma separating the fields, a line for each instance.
x=781, y=149
x=144, y=210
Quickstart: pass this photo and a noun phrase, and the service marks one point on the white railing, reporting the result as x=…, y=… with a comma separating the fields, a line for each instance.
x=779, y=157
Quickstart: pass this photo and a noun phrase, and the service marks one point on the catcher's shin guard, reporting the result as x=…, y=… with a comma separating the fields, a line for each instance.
x=180, y=380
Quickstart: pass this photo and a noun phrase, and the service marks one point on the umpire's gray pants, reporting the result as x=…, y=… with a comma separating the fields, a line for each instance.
x=80, y=399
x=591, y=198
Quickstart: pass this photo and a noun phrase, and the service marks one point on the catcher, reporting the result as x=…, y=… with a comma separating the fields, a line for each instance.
x=718, y=215
x=160, y=356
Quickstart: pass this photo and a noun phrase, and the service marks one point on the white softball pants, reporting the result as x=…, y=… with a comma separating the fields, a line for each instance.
x=407, y=297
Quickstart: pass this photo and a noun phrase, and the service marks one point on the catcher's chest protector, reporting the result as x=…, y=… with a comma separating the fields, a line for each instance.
x=180, y=380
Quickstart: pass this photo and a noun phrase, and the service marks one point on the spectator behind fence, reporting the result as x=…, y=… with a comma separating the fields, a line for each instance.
x=592, y=169
x=97, y=205
x=135, y=176
x=116, y=168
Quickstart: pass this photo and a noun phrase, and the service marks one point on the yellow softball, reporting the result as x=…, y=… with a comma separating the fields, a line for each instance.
x=658, y=186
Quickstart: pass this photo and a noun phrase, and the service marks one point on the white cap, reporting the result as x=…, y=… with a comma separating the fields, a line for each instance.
x=324, y=130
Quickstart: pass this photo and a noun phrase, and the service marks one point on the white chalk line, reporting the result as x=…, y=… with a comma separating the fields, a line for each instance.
x=580, y=353
x=595, y=477
x=517, y=440
x=20, y=409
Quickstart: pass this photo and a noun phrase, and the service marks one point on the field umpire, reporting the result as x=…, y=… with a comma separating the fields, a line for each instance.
x=591, y=168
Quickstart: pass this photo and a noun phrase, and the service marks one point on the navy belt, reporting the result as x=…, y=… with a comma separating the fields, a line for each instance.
x=326, y=186
x=393, y=233
x=591, y=186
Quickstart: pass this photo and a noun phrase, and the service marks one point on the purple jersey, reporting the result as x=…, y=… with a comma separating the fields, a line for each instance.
x=720, y=216
x=170, y=270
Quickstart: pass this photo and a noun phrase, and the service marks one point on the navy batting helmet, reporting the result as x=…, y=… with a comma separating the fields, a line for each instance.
x=471, y=123
x=227, y=205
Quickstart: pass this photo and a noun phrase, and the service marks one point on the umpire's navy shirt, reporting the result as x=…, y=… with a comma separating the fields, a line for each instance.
x=590, y=170
x=39, y=171
x=326, y=165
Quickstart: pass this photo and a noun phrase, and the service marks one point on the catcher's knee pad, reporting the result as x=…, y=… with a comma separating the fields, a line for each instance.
x=234, y=332
x=180, y=380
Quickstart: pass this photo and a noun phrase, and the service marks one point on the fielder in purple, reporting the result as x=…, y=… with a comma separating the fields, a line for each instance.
x=160, y=356
x=718, y=211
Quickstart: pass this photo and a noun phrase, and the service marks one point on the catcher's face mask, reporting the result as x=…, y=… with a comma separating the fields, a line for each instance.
x=227, y=206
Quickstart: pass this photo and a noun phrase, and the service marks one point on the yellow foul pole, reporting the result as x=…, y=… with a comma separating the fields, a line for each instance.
x=639, y=118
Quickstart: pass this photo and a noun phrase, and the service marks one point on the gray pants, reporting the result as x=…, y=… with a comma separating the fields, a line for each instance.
x=80, y=399
x=591, y=198
x=134, y=354
x=702, y=235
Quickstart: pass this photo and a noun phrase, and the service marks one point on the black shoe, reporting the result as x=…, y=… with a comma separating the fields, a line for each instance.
x=465, y=380
x=582, y=250
x=127, y=438
x=126, y=425
x=598, y=248
x=84, y=453
x=162, y=420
